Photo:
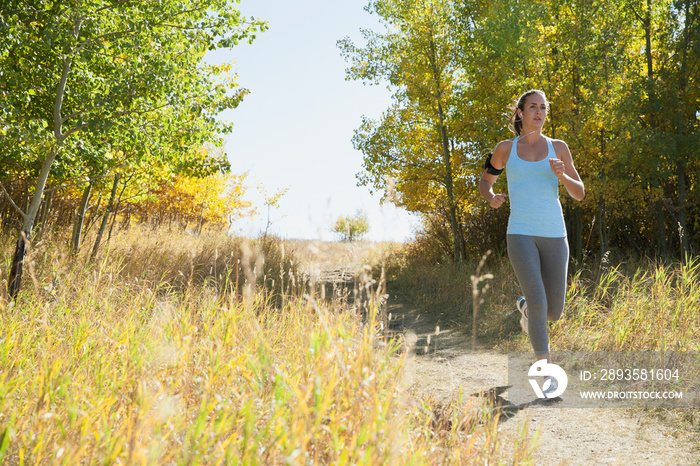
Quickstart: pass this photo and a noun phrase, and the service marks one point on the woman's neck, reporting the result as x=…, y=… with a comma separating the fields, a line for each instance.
x=530, y=136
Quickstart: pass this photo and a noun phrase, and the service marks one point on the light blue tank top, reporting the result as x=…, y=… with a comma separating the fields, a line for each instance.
x=533, y=190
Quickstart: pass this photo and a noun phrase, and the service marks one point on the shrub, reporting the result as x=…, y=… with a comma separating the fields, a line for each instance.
x=352, y=228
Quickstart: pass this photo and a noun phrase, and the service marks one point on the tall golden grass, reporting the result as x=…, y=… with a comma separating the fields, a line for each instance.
x=652, y=306
x=174, y=349
x=637, y=305
x=634, y=305
x=446, y=289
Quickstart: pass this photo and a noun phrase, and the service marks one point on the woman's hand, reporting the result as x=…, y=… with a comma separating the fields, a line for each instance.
x=558, y=167
x=498, y=161
x=497, y=200
x=563, y=168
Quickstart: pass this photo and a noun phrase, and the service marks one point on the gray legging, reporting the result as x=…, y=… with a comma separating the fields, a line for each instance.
x=541, y=265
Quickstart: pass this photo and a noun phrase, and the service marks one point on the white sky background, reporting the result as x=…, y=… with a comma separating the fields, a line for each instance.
x=294, y=129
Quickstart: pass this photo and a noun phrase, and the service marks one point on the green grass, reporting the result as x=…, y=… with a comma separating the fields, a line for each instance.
x=158, y=354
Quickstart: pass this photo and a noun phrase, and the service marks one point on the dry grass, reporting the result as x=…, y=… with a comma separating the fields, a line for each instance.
x=446, y=289
x=316, y=256
x=155, y=355
x=651, y=307
x=648, y=305
x=633, y=306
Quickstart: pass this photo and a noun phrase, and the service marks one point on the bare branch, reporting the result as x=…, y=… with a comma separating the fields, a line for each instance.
x=24, y=216
x=635, y=13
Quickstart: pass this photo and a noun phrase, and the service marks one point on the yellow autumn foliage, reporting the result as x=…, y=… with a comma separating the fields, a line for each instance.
x=216, y=200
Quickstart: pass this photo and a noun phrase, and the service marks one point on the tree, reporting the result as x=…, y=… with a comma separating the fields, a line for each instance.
x=74, y=72
x=187, y=201
x=415, y=142
x=271, y=201
x=621, y=78
x=352, y=228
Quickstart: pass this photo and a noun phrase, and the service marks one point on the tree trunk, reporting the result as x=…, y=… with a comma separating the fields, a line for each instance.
x=651, y=92
x=660, y=230
x=15, y=278
x=602, y=227
x=680, y=130
x=578, y=215
x=682, y=199
x=660, y=227
x=92, y=219
x=116, y=210
x=201, y=222
x=44, y=210
x=602, y=220
x=447, y=160
x=456, y=238
x=126, y=223
x=649, y=57
x=80, y=218
x=105, y=217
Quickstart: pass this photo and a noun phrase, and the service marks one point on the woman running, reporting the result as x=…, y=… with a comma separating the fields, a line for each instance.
x=536, y=235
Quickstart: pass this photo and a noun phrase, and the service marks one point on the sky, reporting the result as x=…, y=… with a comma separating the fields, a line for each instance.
x=294, y=130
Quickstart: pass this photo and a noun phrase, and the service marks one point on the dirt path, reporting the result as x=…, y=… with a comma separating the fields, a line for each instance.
x=443, y=363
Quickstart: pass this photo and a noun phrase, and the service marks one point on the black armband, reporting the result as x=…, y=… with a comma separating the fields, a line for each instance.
x=490, y=169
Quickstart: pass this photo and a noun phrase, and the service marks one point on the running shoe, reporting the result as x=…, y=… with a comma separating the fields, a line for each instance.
x=522, y=307
x=550, y=385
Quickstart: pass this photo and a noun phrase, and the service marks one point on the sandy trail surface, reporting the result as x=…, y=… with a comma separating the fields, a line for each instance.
x=442, y=364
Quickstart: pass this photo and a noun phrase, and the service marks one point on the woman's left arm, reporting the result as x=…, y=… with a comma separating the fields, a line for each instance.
x=564, y=169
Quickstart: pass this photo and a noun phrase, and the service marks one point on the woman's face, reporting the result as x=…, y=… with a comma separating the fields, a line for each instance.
x=534, y=111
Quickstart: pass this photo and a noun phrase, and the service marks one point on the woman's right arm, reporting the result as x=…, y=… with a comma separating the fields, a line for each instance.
x=498, y=161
